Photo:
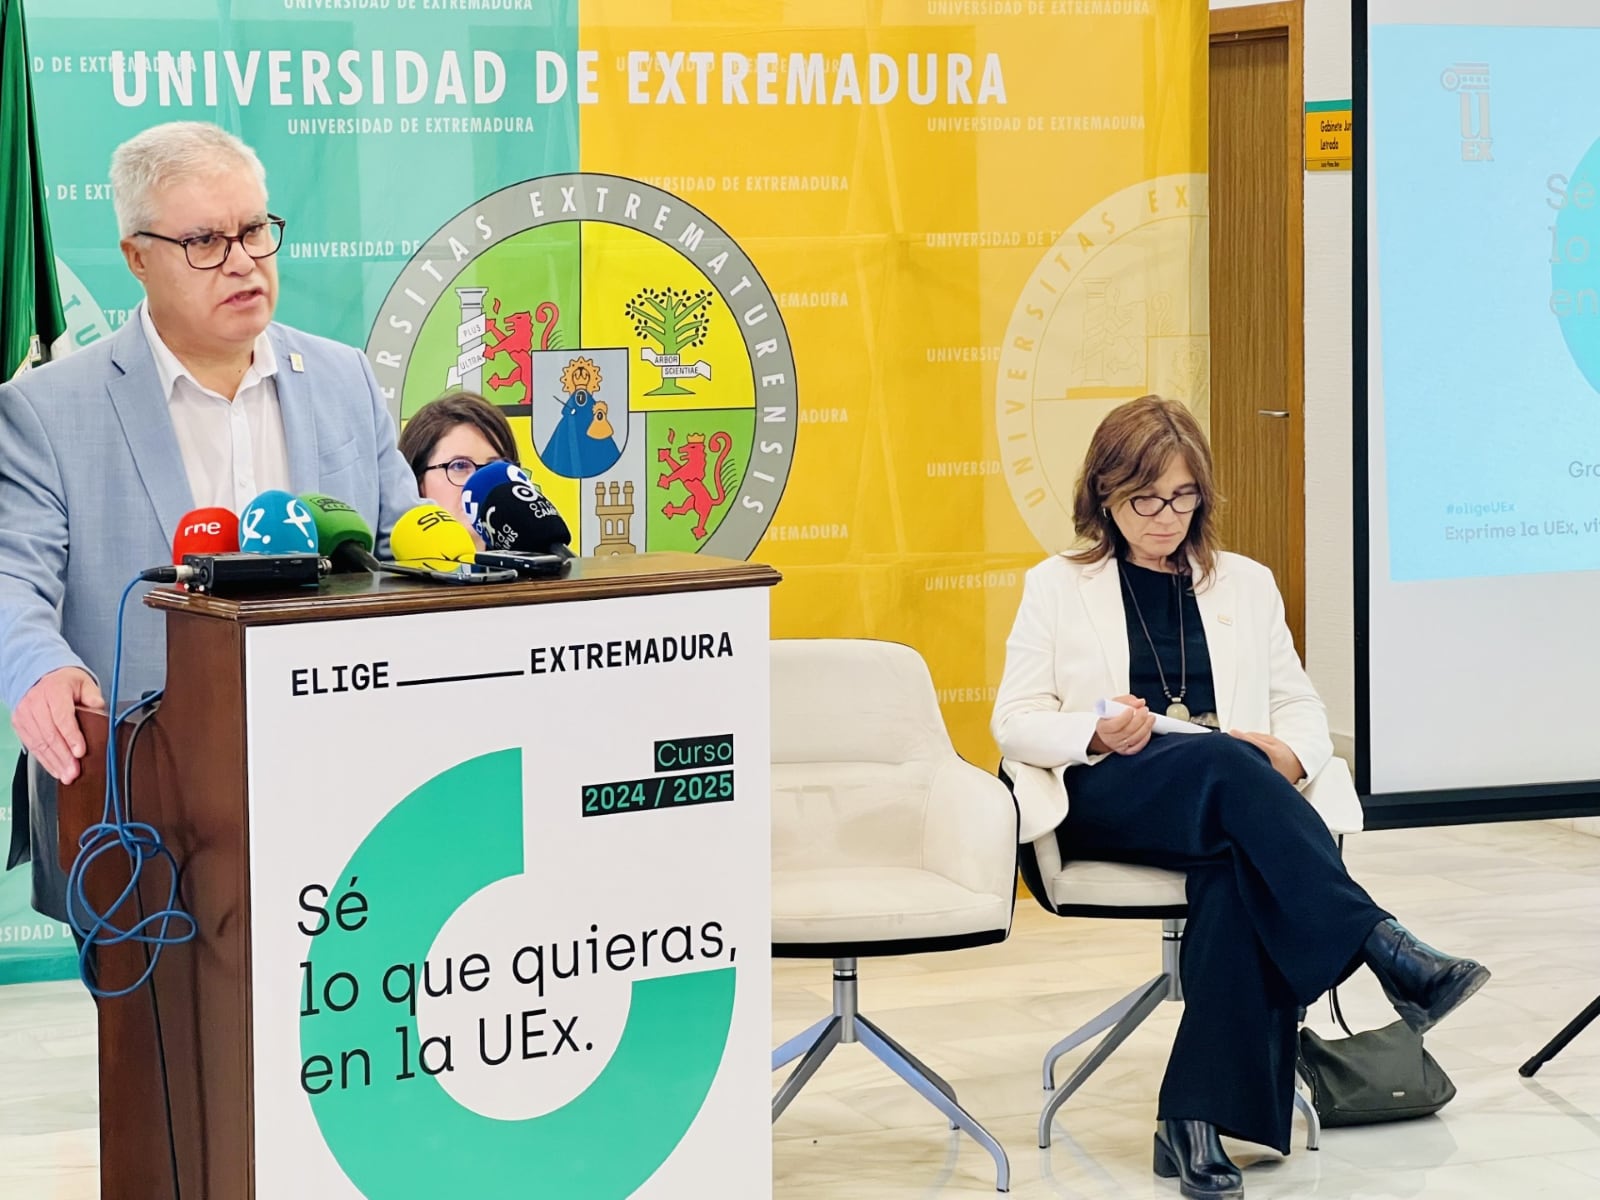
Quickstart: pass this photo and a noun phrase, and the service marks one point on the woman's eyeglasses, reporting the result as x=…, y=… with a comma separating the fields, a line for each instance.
x=1150, y=506
x=459, y=470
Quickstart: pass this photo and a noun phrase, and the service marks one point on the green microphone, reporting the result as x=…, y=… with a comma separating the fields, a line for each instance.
x=342, y=536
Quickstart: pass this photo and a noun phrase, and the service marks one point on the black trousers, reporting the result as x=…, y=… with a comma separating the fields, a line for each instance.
x=1274, y=918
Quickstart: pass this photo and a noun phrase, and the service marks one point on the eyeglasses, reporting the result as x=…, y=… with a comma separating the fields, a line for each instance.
x=208, y=251
x=459, y=470
x=1151, y=506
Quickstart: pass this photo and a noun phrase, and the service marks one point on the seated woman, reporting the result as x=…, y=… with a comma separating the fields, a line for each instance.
x=1151, y=612
x=449, y=439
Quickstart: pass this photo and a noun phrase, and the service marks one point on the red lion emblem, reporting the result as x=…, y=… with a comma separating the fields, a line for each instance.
x=517, y=344
x=691, y=472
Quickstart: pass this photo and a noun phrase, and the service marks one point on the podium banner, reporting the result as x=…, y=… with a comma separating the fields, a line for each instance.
x=841, y=286
x=525, y=951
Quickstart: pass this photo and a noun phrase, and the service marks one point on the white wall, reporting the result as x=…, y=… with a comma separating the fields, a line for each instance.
x=1330, y=621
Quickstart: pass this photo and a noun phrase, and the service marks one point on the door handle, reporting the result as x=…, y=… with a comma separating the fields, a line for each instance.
x=1272, y=412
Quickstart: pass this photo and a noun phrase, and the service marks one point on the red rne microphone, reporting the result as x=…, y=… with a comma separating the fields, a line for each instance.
x=206, y=531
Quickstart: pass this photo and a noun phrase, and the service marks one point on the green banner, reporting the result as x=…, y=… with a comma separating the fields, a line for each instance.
x=30, y=309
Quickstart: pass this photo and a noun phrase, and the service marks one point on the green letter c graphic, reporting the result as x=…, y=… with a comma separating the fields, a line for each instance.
x=403, y=1138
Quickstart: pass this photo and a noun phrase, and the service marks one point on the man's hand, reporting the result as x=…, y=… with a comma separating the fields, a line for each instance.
x=1125, y=733
x=46, y=720
x=1284, y=760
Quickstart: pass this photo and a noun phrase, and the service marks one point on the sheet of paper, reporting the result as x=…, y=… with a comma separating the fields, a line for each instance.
x=1164, y=723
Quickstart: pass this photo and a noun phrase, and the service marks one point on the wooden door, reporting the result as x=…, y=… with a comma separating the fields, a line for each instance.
x=1257, y=290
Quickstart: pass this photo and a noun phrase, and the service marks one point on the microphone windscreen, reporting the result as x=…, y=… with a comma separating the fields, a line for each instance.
x=206, y=531
x=337, y=524
x=430, y=536
x=484, y=480
x=516, y=517
x=277, y=523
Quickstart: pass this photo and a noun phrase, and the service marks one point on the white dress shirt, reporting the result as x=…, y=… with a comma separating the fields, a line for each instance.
x=232, y=450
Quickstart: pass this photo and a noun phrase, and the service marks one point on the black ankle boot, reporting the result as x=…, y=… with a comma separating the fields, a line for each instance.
x=1191, y=1153
x=1423, y=985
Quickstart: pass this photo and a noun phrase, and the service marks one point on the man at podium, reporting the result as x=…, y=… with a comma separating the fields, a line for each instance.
x=200, y=400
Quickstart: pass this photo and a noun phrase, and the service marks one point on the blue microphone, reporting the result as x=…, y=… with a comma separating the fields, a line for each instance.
x=484, y=480
x=276, y=522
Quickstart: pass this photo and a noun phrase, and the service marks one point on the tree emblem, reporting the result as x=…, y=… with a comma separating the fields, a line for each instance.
x=676, y=320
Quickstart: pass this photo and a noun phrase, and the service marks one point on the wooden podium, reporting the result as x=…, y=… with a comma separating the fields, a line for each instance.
x=481, y=882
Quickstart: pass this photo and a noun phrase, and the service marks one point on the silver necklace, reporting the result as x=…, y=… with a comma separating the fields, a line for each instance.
x=1175, y=705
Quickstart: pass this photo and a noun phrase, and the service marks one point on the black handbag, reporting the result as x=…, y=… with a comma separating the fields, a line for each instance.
x=1378, y=1075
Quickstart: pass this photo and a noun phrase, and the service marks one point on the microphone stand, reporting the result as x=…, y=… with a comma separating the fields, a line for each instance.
x=1559, y=1043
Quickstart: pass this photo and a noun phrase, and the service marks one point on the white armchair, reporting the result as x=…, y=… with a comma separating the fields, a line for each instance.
x=884, y=842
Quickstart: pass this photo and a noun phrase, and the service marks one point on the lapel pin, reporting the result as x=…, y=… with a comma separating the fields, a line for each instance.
x=1224, y=619
x=297, y=364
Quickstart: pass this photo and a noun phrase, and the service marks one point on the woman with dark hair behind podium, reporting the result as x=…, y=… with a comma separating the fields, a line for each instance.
x=1150, y=612
x=450, y=438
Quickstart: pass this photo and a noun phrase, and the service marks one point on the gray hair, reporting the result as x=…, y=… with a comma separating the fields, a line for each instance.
x=176, y=152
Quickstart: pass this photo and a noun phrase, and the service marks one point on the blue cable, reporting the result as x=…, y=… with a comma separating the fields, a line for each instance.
x=141, y=842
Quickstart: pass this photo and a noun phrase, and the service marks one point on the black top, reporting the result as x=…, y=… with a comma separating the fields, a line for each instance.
x=1158, y=595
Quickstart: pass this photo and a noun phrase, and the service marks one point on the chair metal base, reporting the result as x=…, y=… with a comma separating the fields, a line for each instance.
x=848, y=1025
x=1302, y=1101
x=1118, y=1023
x=1122, y=1018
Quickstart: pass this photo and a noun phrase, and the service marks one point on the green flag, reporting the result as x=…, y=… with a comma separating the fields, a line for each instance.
x=30, y=304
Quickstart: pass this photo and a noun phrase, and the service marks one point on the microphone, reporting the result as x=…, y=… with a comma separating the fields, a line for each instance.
x=478, y=498
x=484, y=480
x=277, y=523
x=433, y=545
x=429, y=536
x=342, y=536
x=277, y=548
x=206, y=531
x=514, y=518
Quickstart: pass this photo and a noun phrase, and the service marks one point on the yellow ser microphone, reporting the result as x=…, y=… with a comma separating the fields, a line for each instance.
x=430, y=538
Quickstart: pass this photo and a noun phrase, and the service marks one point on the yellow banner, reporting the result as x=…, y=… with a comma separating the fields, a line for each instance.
x=983, y=225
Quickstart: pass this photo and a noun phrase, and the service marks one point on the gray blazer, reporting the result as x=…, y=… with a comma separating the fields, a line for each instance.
x=92, y=487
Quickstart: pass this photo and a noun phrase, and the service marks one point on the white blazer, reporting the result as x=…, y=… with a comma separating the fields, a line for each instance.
x=1069, y=648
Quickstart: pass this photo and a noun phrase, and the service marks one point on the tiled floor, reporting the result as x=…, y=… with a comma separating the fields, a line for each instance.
x=1524, y=898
